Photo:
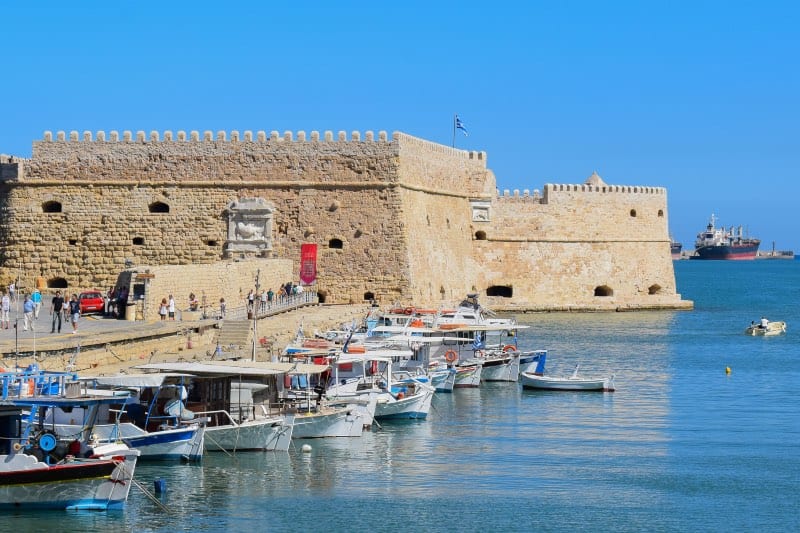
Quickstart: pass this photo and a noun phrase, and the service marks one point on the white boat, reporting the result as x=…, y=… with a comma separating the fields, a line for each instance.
x=236, y=399
x=499, y=365
x=468, y=375
x=149, y=417
x=773, y=328
x=372, y=373
x=327, y=421
x=39, y=471
x=570, y=383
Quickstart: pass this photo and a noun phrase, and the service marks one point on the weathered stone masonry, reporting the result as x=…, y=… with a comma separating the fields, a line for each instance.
x=398, y=219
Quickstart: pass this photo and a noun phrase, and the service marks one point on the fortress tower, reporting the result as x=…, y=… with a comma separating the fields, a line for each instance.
x=395, y=219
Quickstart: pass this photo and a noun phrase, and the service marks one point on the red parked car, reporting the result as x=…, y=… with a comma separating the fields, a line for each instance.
x=91, y=302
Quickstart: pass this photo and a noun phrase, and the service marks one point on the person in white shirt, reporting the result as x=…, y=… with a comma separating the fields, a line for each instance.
x=171, y=306
x=764, y=323
x=5, y=310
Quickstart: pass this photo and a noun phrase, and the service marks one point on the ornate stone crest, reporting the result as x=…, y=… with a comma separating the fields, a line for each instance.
x=249, y=227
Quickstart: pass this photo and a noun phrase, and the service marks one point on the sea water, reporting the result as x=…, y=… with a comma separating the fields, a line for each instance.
x=681, y=445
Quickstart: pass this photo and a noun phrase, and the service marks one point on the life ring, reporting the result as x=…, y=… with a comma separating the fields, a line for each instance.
x=409, y=310
x=450, y=356
x=509, y=348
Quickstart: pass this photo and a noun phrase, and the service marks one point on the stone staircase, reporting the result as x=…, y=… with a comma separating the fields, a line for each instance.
x=235, y=335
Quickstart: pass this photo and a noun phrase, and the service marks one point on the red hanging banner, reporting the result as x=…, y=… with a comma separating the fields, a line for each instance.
x=308, y=263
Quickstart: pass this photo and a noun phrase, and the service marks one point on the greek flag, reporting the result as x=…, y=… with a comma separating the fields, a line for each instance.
x=478, y=342
x=460, y=126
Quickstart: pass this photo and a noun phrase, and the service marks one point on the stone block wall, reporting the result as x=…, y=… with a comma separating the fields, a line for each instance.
x=392, y=218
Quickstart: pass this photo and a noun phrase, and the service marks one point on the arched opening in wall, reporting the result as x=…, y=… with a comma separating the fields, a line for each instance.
x=369, y=296
x=500, y=290
x=660, y=212
x=633, y=213
x=480, y=235
x=51, y=207
x=603, y=290
x=211, y=242
x=138, y=241
x=72, y=242
x=322, y=296
x=57, y=283
x=336, y=244
x=158, y=207
x=654, y=289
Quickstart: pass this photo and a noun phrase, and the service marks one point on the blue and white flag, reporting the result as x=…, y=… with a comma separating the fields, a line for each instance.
x=478, y=342
x=460, y=126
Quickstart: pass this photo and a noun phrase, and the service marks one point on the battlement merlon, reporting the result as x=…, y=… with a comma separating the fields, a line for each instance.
x=11, y=168
x=551, y=189
x=260, y=137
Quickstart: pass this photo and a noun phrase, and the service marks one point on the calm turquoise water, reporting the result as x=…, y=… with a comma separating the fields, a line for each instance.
x=681, y=446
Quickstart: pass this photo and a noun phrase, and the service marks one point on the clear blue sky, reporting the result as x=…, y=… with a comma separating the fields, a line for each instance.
x=702, y=98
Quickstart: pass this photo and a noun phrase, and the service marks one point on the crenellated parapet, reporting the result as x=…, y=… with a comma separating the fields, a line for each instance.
x=550, y=189
x=206, y=136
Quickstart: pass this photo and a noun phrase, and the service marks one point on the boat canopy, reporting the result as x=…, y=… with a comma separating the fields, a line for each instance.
x=235, y=368
x=132, y=380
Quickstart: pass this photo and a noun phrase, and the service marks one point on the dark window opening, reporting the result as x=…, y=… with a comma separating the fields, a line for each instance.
x=211, y=242
x=369, y=296
x=603, y=290
x=138, y=241
x=51, y=207
x=633, y=213
x=57, y=283
x=336, y=243
x=500, y=290
x=480, y=235
x=158, y=207
x=661, y=212
x=73, y=242
x=322, y=296
x=654, y=289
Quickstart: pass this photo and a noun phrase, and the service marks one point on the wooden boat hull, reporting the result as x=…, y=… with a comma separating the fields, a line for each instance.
x=468, y=376
x=84, y=484
x=531, y=381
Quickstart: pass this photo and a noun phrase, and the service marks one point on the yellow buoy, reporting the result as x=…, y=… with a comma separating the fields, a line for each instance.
x=727, y=370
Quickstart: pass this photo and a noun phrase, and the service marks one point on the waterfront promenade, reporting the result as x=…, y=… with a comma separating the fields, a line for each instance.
x=58, y=351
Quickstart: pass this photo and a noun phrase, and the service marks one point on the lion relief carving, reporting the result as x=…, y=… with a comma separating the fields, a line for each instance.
x=249, y=232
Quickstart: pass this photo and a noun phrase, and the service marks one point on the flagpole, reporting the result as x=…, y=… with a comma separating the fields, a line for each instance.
x=454, y=130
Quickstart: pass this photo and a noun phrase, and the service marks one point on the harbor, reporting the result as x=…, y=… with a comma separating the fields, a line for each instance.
x=557, y=458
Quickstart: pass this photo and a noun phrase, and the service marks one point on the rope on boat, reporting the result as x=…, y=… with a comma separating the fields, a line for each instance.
x=207, y=436
x=141, y=487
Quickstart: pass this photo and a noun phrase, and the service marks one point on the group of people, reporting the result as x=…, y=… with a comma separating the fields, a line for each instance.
x=264, y=300
x=60, y=310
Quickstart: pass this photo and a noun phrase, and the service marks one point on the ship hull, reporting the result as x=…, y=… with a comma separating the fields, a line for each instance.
x=742, y=252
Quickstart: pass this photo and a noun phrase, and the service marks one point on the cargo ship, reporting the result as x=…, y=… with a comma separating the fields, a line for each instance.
x=719, y=243
x=675, y=248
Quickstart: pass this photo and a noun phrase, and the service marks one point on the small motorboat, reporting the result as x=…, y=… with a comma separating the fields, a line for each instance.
x=572, y=383
x=773, y=328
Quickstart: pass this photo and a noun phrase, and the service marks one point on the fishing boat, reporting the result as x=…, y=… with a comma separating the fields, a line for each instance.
x=772, y=328
x=570, y=383
x=533, y=361
x=40, y=471
x=149, y=416
x=722, y=243
x=235, y=399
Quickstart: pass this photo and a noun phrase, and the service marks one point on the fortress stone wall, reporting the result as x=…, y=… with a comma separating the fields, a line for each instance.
x=397, y=219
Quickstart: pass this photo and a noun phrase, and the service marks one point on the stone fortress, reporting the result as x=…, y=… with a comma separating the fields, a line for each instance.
x=395, y=219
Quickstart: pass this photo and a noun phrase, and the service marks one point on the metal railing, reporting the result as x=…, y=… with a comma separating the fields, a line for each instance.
x=265, y=309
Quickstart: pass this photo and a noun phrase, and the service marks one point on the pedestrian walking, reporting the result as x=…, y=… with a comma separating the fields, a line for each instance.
x=12, y=292
x=222, y=307
x=5, y=311
x=171, y=307
x=56, y=310
x=36, y=298
x=74, y=312
x=27, y=309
